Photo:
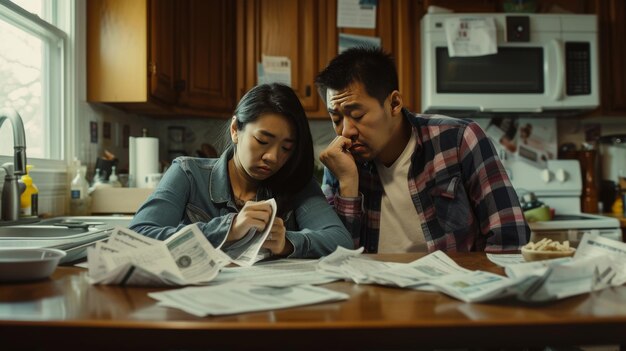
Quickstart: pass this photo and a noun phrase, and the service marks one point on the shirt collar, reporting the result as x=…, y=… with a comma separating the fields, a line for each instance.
x=219, y=187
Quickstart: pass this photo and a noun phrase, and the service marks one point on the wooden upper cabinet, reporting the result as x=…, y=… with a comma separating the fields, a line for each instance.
x=397, y=26
x=207, y=33
x=117, y=50
x=612, y=27
x=161, y=66
x=162, y=57
x=289, y=28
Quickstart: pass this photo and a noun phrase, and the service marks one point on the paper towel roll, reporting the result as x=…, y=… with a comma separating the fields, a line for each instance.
x=144, y=160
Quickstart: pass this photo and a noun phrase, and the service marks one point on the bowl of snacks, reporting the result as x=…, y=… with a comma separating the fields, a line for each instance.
x=546, y=249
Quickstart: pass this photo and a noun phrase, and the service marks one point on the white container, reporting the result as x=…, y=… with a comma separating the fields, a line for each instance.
x=79, y=196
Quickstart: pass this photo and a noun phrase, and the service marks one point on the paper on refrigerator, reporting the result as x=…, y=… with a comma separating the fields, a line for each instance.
x=129, y=258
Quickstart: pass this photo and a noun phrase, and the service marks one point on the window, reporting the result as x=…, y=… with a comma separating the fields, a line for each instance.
x=32, y=50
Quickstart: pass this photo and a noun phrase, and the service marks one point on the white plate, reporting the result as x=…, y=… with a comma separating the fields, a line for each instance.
x=23, y=264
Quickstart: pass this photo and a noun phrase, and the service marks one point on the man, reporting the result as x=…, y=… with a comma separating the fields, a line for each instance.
x=404, y=182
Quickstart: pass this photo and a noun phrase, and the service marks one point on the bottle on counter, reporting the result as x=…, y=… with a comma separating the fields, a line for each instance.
x=79, y=197
x=29, y=198
x=113, y=181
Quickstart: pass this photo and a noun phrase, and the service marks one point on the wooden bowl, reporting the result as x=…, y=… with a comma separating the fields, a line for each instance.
x=534, y=255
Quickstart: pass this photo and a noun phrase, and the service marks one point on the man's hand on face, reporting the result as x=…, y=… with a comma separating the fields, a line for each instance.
x=338, y=159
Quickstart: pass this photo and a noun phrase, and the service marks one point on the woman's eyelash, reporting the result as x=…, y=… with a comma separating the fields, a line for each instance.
x=260, y=141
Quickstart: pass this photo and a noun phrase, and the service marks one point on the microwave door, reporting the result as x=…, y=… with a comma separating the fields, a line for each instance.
x=511, y=80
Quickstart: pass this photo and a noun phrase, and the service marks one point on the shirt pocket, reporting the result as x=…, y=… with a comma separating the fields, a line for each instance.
x=196, y=214
x=451, y=204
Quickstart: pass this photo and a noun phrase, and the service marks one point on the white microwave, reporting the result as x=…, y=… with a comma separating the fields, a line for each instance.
x=545, y=63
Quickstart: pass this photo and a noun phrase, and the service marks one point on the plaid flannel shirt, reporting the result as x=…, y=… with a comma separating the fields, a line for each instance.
x=460, y=190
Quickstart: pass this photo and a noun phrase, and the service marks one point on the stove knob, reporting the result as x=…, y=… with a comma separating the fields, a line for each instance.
x=561, y=176
x=546, y=175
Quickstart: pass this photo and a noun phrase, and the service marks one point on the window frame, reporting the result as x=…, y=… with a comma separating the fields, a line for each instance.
x=56, y=100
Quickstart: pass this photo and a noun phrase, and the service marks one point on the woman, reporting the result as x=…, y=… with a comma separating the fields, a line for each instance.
x=271, y=156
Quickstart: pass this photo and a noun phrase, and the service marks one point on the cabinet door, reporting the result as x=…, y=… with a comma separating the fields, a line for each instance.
x=397, y=26
x=116, y=60
x=611, y=15
x=281, y=28
x=207, y=72
x=162, y=50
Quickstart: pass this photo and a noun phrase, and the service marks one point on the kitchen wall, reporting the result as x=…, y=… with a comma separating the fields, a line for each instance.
x=214, y=132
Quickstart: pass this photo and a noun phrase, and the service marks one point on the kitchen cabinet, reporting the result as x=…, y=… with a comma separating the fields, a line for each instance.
x=291, y=28
x=397, y=26
x=612, y=31
x=306, y=32
x=161, y=57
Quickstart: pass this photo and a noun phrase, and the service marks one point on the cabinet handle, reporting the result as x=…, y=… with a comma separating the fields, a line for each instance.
x=152, y=68
x=307, y=91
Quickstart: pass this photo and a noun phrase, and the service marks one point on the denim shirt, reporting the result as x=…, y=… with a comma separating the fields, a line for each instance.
x=197, y=190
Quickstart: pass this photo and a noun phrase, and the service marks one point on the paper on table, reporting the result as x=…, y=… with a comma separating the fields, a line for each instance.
x=504, y=260
x=240, y=298
x=186, y=257
x=279, y=273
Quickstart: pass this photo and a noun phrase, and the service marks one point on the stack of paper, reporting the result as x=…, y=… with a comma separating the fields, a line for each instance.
x=239, y=297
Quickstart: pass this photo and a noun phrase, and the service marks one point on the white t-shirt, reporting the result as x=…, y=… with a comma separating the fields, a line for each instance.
x=400, y=226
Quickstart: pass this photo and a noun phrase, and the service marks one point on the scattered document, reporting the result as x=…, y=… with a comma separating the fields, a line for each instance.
x=471, y=36
x=504, y=260
x=129, y=258
x=279, y=273
x=240, y=298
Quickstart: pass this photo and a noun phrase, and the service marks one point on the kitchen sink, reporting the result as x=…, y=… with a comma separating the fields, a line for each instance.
x=88, y=221
x=72, y=234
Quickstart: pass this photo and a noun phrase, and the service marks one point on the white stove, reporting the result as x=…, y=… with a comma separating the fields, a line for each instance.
x=559, y=186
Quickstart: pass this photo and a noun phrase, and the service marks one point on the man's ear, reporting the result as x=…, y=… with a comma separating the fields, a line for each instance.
x=395, y=101
x=233, y=130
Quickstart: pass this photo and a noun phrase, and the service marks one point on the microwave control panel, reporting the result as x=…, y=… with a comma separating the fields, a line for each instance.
x=578, y=68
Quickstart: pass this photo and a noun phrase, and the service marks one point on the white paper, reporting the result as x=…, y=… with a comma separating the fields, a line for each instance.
x=240, y=298
x=471, y=36
x=279, y=273
x=593, y=245
x=249, y=254
x=504, y=260
x=275, y=69
x=419, y=272
x=356, y=14
x=186, y=257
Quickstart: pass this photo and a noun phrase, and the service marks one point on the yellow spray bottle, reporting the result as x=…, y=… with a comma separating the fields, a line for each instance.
x=29, y=200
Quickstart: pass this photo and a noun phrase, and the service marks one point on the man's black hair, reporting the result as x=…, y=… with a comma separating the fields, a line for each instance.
x=371, y=66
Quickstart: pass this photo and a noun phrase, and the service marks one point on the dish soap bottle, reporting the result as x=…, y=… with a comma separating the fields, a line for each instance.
x=79, y=201
x=29, y=200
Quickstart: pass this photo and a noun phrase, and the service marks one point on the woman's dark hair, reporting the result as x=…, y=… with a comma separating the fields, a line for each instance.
x=370, y=66
x=281, y=99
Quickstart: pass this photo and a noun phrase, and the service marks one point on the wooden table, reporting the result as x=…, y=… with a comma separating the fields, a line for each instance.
x=67, y=312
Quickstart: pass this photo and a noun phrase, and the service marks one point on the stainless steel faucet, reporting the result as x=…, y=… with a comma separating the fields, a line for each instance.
x=10, y=191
